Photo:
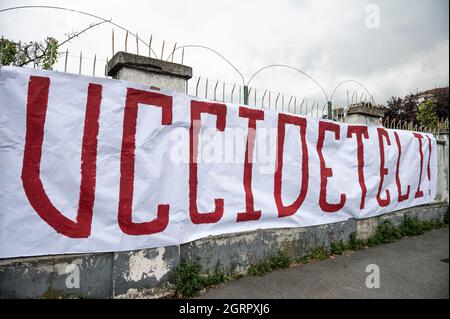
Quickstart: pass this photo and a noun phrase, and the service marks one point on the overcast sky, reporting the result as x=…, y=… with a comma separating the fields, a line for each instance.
x=329, y=40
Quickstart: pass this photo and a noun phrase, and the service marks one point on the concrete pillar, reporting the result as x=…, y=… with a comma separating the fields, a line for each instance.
x=148, y=71
x=363, y=114
x=145, y=272
x=443, y=173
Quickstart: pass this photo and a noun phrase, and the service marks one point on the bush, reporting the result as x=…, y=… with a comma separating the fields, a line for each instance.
x=386, y=232
x=188, y=281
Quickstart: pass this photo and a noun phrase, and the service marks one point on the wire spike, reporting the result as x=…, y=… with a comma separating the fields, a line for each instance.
x=276, y=102
x=35, y=55
x=215, y=90
x=107, y=61
x=65, y=61
x=196, y=87
x=232, y=92
x=18, y=52
x=263, y=97
x=173, y=52
x=81, y=61
x=150, y=46
x=93, y=68
x=137, y=43
x=112, y=42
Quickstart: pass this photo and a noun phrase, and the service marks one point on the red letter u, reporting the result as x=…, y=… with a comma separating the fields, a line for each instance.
x=37, y=101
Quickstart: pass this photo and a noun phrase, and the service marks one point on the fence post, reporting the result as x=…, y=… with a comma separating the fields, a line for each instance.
x=330, y=110
x=246, y=94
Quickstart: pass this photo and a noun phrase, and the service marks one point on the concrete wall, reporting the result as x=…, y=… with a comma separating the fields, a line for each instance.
x=147, y=273
x=57, y=276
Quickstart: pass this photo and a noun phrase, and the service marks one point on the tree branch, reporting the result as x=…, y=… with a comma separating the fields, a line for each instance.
x=76, y=34
x=45, y=50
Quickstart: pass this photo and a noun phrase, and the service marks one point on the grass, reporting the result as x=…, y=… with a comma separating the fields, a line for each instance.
x=386, y=232
x=189, y=279
x=280, y=261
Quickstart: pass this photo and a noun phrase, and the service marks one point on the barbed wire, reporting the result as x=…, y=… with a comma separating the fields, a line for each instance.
x=83, y=13
x=245, y=85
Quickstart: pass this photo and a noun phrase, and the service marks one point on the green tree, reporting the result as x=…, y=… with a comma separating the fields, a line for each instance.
x=408, y=108
x=441, y=96
x=403, y=109
x=42, y=54
x=427, y=115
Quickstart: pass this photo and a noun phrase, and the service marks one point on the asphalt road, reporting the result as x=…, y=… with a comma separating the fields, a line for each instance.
x=413, y=267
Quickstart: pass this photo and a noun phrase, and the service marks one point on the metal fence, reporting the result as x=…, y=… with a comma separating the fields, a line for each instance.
x=441, y=126
x=221, y=91
x=216, y=90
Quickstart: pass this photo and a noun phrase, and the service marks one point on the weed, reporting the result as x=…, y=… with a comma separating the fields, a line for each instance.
x=280, y=261
x=414, y=227
x=387, y=232
x=189, y=280
x=338, y=247
x=215, y=278
x=303, y=259
x=319, y=253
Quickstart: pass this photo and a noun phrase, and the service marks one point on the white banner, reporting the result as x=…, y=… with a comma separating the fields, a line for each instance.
x=94, y=165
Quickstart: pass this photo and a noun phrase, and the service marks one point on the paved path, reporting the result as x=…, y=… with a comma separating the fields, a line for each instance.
x=413, y=267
